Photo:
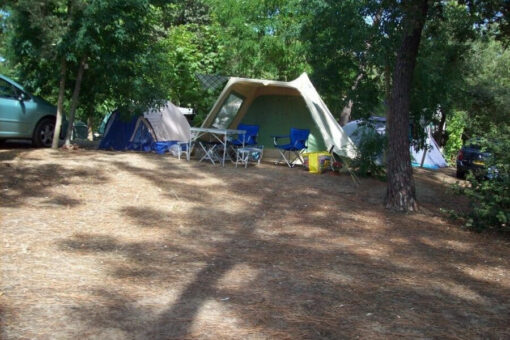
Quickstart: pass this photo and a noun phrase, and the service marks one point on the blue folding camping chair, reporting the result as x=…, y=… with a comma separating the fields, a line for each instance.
x=249, y=138
x=298, y=139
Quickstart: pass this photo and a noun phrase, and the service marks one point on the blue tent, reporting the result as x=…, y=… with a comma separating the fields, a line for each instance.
x=117, y=132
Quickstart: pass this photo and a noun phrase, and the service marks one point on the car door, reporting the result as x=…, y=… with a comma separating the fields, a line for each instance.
x=13, y=117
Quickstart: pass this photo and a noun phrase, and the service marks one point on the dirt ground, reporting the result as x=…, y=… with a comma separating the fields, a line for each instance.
x=110, y=245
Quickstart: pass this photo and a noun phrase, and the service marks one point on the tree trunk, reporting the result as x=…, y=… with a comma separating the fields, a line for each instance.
x=345, y=115
x=400, y=194
x=440, y=134
x=90, y=128
x=74, y=101
x=60, y=103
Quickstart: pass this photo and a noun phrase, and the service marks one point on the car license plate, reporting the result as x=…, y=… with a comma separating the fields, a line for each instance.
x=478, y=163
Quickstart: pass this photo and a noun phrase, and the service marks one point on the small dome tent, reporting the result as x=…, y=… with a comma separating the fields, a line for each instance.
x=164, y=124
x=277, y=106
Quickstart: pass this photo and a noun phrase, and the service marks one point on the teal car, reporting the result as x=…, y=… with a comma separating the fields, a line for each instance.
x=25, y=116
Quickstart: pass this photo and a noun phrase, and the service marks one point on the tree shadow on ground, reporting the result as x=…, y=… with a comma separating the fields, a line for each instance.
x=288, y=258
x=19, y=183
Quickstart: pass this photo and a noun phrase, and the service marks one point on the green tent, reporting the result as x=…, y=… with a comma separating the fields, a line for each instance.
x=277, y=106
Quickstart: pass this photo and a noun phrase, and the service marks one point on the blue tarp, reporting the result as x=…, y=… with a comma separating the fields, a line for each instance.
x=162, y=147
x=426, y=166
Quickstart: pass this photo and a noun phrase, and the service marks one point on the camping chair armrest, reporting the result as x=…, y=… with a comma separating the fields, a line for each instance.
x=275, y=139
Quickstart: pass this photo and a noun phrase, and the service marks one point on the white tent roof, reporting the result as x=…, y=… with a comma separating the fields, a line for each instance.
x=169, y=123
x=332, y=134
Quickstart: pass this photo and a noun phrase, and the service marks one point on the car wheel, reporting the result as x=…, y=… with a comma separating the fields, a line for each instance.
x=43, y=133
x=460, y=174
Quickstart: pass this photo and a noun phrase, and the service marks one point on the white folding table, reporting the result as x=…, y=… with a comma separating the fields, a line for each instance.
x=220, y=136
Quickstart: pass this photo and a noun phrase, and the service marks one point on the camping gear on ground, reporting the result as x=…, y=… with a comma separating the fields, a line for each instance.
x=298, y=139
x=277, y=106
x=157, y=130
x=214, y=142
x=317, y=162
x=430, y=157
x=162, y=147
x=246, y=154
x=177, y=149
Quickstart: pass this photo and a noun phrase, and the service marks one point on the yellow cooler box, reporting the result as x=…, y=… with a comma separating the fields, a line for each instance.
x=317, y=162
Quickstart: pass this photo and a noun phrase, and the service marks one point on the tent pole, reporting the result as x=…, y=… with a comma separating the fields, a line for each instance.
x=426, y=148
x=423, y=157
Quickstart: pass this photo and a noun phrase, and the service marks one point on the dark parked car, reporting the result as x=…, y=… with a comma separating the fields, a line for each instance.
x=472, y=158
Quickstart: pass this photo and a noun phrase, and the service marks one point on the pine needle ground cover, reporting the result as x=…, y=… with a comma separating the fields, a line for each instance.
x=127, y=245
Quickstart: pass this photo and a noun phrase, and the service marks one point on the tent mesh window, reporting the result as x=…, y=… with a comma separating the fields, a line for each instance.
x=211, y=81
x=228, y=111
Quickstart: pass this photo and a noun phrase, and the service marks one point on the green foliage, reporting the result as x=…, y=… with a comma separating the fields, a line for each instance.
x=35, y=38
x=455, y=125
x=190, y=50
x=438, y=81
x=490, y=198
x=4, y=68
x=117, y=38
x=343, y=43
x=261, y=39
x=176, y=13
x=487, y=92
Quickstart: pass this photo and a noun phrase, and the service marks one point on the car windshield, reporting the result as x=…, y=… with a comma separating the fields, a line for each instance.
x=7, y=90
x=473, y=146
x=479, y=144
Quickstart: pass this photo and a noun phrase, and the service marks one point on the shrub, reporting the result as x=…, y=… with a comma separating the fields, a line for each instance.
x=455, y=125
x=489, y=191
x=369, y=160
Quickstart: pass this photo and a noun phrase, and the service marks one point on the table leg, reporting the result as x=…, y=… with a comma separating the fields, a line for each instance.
x=224, y=150
x=209, y=153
